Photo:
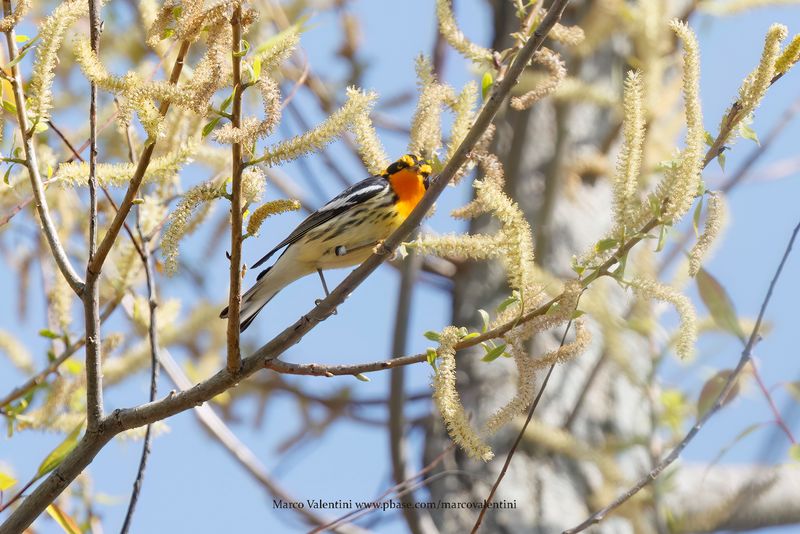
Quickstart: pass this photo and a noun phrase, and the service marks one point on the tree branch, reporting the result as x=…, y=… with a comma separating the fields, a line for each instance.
x=234, y=359
x=152, y=331
x=240, y=452
x=39, y=377
x=520, y=435
x=398, y=445
x=32, y=164
x=729, y=384
x=136, y=180
x=91, y=290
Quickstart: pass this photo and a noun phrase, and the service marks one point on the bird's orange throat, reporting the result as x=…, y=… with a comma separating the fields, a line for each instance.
x=409, y=187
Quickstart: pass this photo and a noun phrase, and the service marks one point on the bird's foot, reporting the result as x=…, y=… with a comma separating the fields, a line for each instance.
x=317, y=302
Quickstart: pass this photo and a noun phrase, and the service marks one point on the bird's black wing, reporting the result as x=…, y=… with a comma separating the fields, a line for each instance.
x=353, y=195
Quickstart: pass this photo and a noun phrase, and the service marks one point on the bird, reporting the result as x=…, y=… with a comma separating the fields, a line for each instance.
x=342, y=233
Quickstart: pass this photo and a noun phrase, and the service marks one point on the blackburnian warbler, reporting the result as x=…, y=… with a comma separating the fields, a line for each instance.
x=342, y=233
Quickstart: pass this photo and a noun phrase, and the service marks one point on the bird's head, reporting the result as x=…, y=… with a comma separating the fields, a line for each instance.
x=410, y=163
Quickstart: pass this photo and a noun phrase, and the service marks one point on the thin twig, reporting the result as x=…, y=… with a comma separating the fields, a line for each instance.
x=723, y=394
x=76, y=155
x=240, y=452
x=136, y=180
x=91, y=291
x=736, y=178
x=152, y=332
x=520, y=435
x=124, y=419
x=776, y=414
x=397, y=489
x=397, y=424
x=53, y=366
x=32, y=164
x=234, y=359
x=296, y=86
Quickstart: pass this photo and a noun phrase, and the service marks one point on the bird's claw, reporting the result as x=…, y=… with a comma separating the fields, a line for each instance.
x=317, y=302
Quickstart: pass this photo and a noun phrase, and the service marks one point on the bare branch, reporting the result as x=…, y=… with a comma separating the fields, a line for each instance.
x=520, y=435
x=235, y=291
x=91, y=290
x=398, y=444
x=152, y=332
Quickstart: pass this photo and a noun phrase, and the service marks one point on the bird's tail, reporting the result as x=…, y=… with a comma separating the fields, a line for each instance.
x=255, y=299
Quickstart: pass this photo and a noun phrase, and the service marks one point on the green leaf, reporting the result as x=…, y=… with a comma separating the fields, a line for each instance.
x=73, y=367
x=673, y=409
x=506, y=303
x=167, y=33
x=9, y=106
x=719, y=304
x=493, y=354
x=63, y=519
x=577, y=267
x=485, y=319
x=22, y=38
x=721, y=161
x=297, y=27
x=362, y=377
x=619, y=272
x=553, y=308
x=17, y=59
x=244, y=48
x=49, y=334
x=210, y=126
x=748, y=133
x=225, y=103
x=662, y=238
x=486, y=84
x=432, y=355
x=7, y=175
x=577, y=313
x=471, y=335
x=712, y=389
x=696, y=218
x=433, y=336
x=709, y=138
x=256, y=68
x=605, y=244
x=6, y=481
x=55, y=458
x=794, y=452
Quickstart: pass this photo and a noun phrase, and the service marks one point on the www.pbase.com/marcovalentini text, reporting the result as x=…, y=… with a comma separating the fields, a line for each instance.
x=349, y=504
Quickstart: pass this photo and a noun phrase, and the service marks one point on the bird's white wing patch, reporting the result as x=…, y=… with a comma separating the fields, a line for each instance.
x=351, y=197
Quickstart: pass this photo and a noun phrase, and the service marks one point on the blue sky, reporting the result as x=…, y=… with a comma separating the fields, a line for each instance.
x=194, y=479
